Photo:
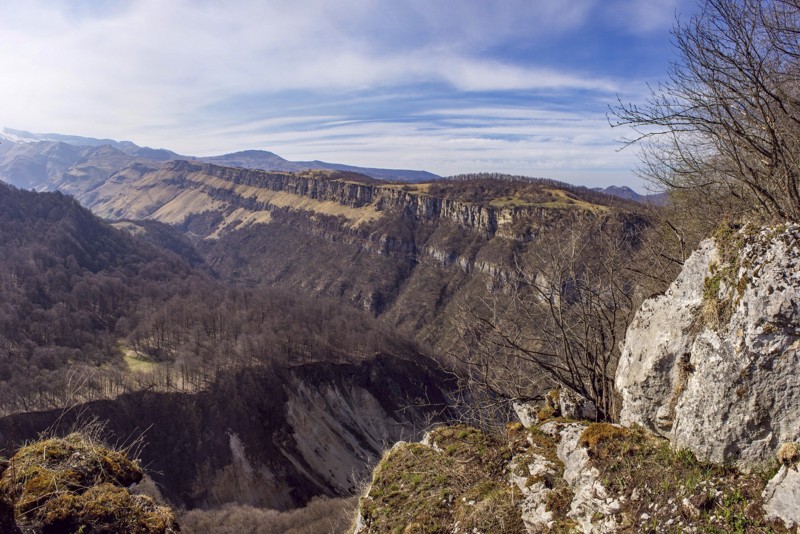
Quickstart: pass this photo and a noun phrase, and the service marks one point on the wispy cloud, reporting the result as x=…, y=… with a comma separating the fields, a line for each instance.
x=515, y=83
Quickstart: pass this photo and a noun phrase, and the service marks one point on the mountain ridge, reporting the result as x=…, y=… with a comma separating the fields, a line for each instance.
x=252, y=159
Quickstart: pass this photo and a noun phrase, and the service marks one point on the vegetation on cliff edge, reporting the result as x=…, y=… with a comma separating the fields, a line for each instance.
x=77, y=484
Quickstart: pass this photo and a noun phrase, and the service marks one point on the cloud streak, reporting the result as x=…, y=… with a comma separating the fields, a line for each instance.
x=350, y=79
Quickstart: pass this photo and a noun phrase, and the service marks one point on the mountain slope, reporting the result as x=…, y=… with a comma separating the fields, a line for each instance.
x=271, y=436
x=412, y=254
x=70, y=288
x=629, y=194
x=79, y=298
x=263, y=160
x=251, y=396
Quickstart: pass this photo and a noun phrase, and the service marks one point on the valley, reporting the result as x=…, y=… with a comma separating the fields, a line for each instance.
x=294, y=324
x=512, y=268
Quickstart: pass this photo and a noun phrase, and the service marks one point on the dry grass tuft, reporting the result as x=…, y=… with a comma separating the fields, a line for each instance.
x=598, y=434
x=788, y=454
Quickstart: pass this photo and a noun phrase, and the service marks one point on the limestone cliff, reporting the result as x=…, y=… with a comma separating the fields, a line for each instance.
x=174, y=191
x=410, y=253
x=713, y=364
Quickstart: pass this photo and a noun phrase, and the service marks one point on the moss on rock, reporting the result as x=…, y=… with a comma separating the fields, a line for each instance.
x=76, y=484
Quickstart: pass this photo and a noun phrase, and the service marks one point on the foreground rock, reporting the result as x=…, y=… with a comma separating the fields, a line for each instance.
x=76, y=484
x=559, y=477
x=713, y=365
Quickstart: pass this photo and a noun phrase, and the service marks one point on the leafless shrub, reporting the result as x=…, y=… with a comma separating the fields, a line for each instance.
x=725, y=126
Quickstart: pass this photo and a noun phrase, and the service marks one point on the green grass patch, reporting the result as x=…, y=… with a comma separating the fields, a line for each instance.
x=673, y=487
x=137, y=363
x=463, y=480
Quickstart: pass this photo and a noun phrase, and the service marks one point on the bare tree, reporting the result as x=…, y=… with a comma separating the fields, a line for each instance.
x=726, y=124
x=562, y=323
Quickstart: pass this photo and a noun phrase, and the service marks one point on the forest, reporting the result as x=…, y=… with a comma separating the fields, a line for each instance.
x=84, y=303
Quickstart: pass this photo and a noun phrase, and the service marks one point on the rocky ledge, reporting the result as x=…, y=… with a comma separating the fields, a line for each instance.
x=710, y=384
x=561, y=476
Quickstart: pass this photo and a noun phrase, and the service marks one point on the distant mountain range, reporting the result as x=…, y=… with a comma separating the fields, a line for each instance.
x=249, y=159
x=75, y=164
x=629, y=194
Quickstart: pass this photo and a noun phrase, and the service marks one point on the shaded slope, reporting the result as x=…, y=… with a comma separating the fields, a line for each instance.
x=70, y=287
x=266, y=436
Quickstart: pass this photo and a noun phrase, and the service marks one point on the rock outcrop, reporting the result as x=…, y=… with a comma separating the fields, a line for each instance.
x=557, y=403
x=709, y=377
x=782, y=497
x=713, y=364
x=77, y=484
x=563, y=477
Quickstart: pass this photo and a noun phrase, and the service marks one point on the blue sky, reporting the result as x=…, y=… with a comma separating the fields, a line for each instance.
x=512, y=86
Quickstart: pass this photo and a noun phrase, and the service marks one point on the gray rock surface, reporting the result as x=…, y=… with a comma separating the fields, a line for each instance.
x=533, y=505
x=526, y=413
x=727, y=387
x=782, y=497
x=574, y=406
x=592, y=508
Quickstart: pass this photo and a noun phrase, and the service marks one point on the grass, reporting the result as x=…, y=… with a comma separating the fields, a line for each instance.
x=546, y=198
x=283, y=199
x=668, y=490
x=461, y=480
x=136, y=362
x=461, y=484
x=721, y=288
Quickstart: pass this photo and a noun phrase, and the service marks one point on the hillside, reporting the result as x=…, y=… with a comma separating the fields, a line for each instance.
x=99, y=324
x=424, y=257
x=411, y=254
x=318, y=287
x=272, y=436
x=72, y=287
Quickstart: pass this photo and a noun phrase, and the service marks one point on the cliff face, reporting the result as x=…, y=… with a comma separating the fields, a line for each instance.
x=412, y=254
x=713, y=364
x=179, y=184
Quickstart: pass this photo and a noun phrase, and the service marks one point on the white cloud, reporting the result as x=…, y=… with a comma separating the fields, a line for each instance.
x=162, y=59
x=176, y=74
x=561, y=145
x=638, y=16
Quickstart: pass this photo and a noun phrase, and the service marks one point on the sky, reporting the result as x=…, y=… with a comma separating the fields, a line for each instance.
x=449, y=86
